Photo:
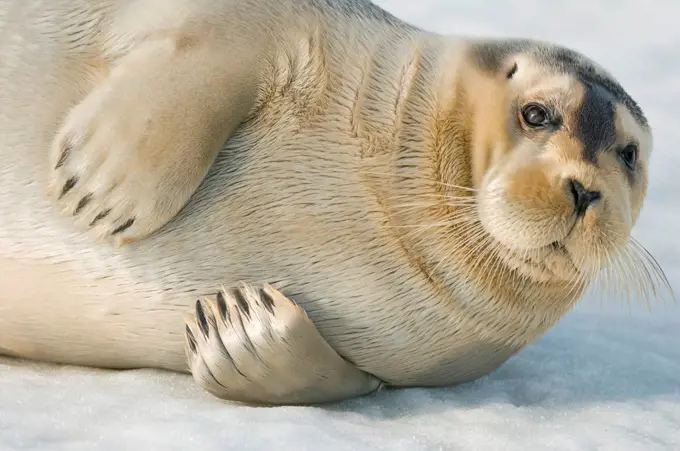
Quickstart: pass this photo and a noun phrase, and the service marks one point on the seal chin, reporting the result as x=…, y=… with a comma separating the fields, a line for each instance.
x=532, y=217
x=553, y=262
x=535, y=238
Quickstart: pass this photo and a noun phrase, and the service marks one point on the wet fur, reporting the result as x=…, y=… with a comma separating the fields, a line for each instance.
x=353, y=180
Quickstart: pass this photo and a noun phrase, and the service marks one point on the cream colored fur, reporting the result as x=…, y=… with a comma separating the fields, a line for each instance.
x=368, y=175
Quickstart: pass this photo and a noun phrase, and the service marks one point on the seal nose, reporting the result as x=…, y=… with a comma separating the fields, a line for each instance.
x=582, y=197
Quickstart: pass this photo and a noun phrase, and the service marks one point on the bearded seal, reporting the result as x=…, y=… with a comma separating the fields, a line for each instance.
x=312, y=199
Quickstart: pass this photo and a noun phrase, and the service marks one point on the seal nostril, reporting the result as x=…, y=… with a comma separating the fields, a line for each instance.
x=583, y=198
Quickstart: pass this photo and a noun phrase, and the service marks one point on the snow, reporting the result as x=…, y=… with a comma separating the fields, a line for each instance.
x=607, y=377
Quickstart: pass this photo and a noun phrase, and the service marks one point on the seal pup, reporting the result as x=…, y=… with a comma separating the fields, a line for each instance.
x=355, y=202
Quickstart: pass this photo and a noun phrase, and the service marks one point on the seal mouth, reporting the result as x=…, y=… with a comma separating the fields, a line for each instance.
x=546, y=263
x=560, y=249
x=557, y=246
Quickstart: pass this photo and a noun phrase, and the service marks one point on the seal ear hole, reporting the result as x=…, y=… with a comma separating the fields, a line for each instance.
x=511, y=73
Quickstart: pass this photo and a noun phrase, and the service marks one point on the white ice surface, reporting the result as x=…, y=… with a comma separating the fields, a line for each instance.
x=605, y=378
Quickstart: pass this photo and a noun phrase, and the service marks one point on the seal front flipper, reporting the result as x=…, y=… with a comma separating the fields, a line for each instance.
x=130, y=155
x=255, y=345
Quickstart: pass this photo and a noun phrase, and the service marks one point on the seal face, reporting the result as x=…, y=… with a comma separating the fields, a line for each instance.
x=562, y=191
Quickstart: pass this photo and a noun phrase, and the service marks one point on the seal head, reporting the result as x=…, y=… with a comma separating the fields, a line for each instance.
x=561, y=172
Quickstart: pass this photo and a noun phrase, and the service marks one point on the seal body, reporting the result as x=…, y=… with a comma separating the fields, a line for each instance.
x=342, y=126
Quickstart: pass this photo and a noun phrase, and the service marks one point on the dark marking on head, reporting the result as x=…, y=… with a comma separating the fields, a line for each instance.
x=595, y=121
x=512, y=71
x=491, y=55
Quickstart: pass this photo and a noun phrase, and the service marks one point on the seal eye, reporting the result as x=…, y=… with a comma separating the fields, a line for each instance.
x=535, y=115
x=629, y=156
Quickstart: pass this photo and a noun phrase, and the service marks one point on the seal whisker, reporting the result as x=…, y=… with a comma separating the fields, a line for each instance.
x=630, y=279
x=470, y=197
x=442, y=201
x=482, y=241
x=486, y=255
x=646, y=265
x=414, y=206
x=636, y=265
x=498, y=268
x=473, y=242
x=622, y=272
x=656, y=268
x=458, y=219
x=613, y=271
x=577, y=279
x=464, y=229
x=473, y=231
x=430, y=225
x=424, y=179
x=635, y=270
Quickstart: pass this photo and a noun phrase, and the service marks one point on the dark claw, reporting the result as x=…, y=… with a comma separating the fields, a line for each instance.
x=191, y=339
x=63, y=156
x=202, y=320
x=70, y=183
x=241, y=301
x=83, y=203
x=267, y=300
x=100, y=216
x=126, y=225
x=222, y=305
